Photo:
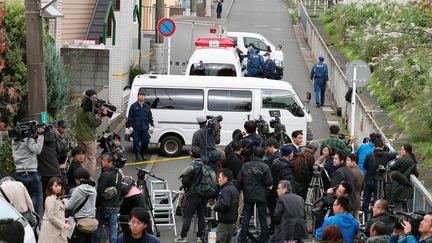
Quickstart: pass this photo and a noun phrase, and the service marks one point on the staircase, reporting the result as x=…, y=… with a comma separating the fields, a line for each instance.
x=95, y=29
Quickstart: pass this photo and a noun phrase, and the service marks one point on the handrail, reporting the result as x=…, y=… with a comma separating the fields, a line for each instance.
x=92, y=18
x=109, y=11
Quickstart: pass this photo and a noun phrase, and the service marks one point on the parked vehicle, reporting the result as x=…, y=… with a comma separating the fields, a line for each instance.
x=177, y=100
x=243, y=39
x=7, y=211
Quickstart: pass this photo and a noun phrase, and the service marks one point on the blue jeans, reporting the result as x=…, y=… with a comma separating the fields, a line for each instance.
x=369, y=189
x=248, y=211
x=33, y=184
x=319, y=89
x=110, y=216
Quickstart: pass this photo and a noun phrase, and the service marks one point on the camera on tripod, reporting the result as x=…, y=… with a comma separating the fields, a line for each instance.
x=320, y=206
x=381, y=171
x=25, y=130
x=276, y=123
x=214, y=124
x=317, y=170
x=97, y=106
x=107, y=143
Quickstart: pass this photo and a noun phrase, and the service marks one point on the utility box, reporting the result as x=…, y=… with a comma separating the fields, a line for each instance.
x=188, y=30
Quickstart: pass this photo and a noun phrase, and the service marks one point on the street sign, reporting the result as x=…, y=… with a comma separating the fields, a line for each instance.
x=44, y=118
x=166, y=27
x=363, y=72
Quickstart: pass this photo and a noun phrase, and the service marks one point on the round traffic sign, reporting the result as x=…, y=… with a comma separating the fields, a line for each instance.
x=166, y=27
x=363, y=72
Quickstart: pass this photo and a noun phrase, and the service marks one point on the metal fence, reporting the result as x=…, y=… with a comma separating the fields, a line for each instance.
x=338, y=86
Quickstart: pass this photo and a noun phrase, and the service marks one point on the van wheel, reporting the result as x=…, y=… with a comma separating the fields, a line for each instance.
x=171, y=146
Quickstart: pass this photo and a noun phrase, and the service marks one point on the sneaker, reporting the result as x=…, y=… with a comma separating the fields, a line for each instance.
x=199, y=239
x=179, y=239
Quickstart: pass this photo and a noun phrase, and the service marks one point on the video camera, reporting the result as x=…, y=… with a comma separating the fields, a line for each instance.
x=413, y=218
x=317, y=170
x=276, y=123
x=24, y=130
x=214, y=124
x=106, y=142
x=381, y=171
x=262, y=126
x=97, y=106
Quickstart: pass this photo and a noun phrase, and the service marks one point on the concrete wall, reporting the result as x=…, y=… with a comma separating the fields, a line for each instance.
x=90, y=67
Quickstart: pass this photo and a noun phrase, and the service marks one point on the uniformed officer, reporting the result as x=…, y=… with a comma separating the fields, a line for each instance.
x=139, y=119
x=319, y=75
x=269, y=67
x=255, y=63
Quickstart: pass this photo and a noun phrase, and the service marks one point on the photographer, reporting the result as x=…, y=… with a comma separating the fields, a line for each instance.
x=140, y=119
x=204, y=141
x=272, y=151
x=380, y=214
x=371, y=165
x=48, y=165
x=335, y=142
x=251, y=140
x=86, y=125
x=111, y=143
x=25, y=153
x=425, y=230
x=78, y=156
x=378, y=233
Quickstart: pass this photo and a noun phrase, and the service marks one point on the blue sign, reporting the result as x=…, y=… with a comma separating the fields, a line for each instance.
x=166, y=27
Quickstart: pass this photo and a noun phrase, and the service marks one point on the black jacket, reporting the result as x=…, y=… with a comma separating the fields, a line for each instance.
x=386, y=218
x=373, y=160
x=271, y=158
x=48, y=164
x=227, y=204
x=234, y=163
x=282, y=169
x=108, y=179
x=70, y=174
x=254, y=178
x=344, y=173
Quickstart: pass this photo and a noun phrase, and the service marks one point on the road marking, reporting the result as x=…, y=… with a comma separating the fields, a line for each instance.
x=333, y=122
x=260, y=26
x=326, y=108
x=277, y=29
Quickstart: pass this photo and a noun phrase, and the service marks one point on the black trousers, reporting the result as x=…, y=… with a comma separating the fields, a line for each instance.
x=194, y=203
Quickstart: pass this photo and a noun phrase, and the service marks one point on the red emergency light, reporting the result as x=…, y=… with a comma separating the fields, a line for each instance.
x=213, y=30
x=214, y=42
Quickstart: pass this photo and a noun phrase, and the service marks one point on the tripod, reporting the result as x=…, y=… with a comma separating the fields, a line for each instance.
x=314, y=195
x=142, y=186
x=381, y=183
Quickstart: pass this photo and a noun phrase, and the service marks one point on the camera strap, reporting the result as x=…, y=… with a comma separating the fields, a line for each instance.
x=4, y=195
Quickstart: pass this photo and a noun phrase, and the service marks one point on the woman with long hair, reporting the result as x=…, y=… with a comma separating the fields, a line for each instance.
x=54, y=228
x=303, y=172
x=406, y=164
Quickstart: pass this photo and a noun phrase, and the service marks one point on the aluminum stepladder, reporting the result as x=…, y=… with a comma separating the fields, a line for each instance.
x=163, y=208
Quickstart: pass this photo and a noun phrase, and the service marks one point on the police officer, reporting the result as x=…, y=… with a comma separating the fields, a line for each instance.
x=269, y=67
x=319, y=75
x=139, y=119
x=255, y=62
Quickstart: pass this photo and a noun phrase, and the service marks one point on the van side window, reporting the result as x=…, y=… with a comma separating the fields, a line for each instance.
x=281, y=99
x=213, y=69
x=257, y=42
x=229, y=100
x=178, y=99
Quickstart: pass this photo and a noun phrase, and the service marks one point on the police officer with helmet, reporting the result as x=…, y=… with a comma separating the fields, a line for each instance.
x=319, y=75
x=139, y=119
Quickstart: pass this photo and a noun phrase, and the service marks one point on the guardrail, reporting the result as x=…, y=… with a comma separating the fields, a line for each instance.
x=338, y=85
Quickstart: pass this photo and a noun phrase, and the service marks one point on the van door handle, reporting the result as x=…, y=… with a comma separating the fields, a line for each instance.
x=248, y=117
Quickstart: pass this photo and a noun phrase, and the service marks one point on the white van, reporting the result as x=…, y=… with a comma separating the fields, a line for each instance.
x=214, y=57
x=243, y=39
x=177, y=100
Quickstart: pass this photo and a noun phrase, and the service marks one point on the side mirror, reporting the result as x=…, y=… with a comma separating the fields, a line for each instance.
x=308, y=96
x=279, y=47
x=268, y=48
x=306, y=105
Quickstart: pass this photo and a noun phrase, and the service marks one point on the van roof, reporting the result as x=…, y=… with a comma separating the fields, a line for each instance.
x=213, y=55
x=249, y=34
x=208, y=82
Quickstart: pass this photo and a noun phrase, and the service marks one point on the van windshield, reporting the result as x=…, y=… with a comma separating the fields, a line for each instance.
x=213, y=69
x=281, y=99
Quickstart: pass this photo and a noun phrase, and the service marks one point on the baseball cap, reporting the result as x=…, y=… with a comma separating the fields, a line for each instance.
x=286, y=150
x=201, y=118
x=141, y=91
x=62, y=124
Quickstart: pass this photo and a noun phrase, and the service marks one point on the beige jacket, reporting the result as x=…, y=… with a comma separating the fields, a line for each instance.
x=18, y=195
x=53, y=223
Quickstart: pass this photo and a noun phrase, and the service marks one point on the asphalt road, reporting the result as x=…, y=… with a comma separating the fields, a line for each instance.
x=269, y=18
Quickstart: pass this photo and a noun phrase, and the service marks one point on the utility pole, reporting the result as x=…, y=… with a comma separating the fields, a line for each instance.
x=193, y=8
x=160, y=14
x=35, y=61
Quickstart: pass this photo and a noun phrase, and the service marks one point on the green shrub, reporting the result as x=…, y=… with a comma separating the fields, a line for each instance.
x=6, y=159
x=133, y=72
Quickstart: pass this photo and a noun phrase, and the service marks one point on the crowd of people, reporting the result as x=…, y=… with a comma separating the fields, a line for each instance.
x=253, y=172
